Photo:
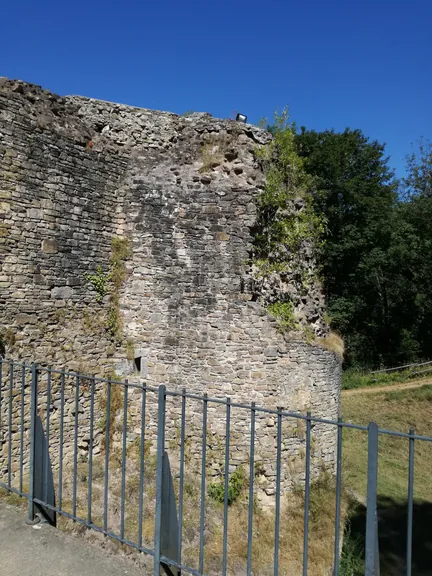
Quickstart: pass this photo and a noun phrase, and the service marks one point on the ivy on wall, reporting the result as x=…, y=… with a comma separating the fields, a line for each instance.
x=287, y=232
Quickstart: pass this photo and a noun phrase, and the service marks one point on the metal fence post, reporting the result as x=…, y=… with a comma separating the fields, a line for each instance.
x=159, y=467
x=410, y=503
x=372, y=552
x=32, y=519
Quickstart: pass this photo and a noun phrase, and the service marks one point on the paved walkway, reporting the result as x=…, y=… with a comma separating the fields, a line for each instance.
x=45, y=551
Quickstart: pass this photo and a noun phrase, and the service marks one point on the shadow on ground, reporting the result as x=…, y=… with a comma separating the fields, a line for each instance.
x=393, y=519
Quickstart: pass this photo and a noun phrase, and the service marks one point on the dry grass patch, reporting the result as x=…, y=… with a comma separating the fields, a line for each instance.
x=334, y=343
x=399, y=410
x=321, y=535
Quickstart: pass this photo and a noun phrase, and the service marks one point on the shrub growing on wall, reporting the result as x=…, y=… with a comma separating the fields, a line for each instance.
x=288, y=232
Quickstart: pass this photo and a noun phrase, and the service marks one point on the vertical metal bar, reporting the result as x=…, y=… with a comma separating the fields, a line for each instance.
x=33, y=415
x=182, y=458
x=278, y=495
x=62, y=387
x=47, y=430
x=307, y=495
x=75, y=452
x=371, y=552
x=251, y=488
x=1, y=384
x=142, y=464
x=410, y=503
x=159, y=478
x=203, y=484
x=123, y=480
x=107, y=443
x=11, y=383
x=226, y=487
x=23, y=375
x=91, y=439
x=338, y=498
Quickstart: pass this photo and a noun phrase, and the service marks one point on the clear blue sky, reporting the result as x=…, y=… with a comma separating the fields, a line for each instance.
x=359, y=63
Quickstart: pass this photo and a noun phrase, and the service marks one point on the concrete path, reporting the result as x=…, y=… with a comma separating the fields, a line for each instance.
x=45, y=551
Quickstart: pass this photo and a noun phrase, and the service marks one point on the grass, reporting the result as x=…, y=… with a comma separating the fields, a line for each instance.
x=116, y=403
x=12, y=498
x=321, y=520
x=357, y=379
x=397, y=410
x=334, y=343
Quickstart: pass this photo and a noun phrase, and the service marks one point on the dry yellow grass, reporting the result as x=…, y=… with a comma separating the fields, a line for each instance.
x=334, y=343
x=397, y=410
x=322, y=517
x=321, y=531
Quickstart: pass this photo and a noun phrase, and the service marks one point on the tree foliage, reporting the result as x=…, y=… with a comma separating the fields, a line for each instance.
x=377, y=258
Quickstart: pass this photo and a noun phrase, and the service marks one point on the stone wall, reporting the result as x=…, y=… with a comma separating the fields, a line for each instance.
x=76, y=173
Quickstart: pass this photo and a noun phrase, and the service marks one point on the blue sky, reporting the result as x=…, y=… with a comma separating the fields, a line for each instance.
x=357, y=63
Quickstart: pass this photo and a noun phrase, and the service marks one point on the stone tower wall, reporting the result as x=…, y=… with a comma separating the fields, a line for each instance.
x=76, y=173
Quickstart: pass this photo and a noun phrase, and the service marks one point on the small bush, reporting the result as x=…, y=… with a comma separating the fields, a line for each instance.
x=99, y=281
x=236, y=484
x=284, y=314
x=212, y=156
x=351, y=561
x=7, y=340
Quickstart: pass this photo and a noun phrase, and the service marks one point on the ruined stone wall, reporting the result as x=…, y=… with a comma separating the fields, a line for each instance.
x=58, y=214
x=74, y=173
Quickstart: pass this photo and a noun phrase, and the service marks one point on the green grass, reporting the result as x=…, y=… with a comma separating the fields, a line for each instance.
x=397, y=410
x=356, y=379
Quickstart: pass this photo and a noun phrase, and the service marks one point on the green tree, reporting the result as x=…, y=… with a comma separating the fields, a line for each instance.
x=356, y=192
x=415, y=215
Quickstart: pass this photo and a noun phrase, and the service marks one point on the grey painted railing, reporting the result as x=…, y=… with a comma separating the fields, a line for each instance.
x=25, y=403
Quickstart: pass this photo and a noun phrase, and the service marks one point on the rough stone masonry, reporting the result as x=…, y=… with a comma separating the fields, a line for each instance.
x=181, y=192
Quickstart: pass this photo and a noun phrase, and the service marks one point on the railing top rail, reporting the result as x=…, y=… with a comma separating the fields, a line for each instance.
x=220, y=401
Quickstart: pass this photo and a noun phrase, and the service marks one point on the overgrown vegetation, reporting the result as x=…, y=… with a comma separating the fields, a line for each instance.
x=7, y=339
x=116, y=403
x=110, y=282
x=352, y=556
x=215, y=149
x=291, y=525
x=353, y=378
x=120, y=252
x=286, y=220
x=284, y=314
x=99, y=280
x=236, y=484
x=287, y=228
x=376, y=262
x=332, y=342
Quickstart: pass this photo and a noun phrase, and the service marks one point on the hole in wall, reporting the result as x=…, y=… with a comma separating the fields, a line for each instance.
x=137, y=362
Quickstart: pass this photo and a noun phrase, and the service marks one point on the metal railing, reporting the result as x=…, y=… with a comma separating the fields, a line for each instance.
x=404, y=367
x=61, y=430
